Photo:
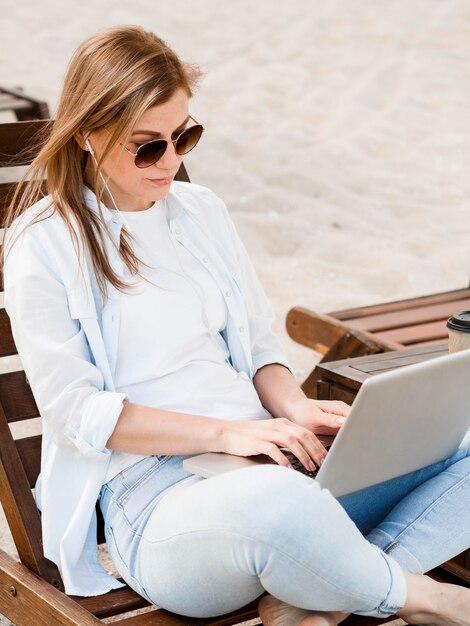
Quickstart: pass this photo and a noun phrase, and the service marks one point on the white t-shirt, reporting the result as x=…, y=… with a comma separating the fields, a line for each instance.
x=174, y=318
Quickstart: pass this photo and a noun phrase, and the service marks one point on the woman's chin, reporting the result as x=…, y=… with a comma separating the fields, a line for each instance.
x=158, y=192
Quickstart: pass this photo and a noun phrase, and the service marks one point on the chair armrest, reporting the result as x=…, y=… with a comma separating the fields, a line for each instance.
x=314, y=330
x=321, y=332
x=27, y=599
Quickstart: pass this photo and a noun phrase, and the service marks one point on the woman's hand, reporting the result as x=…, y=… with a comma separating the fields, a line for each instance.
x=245, y=438
x=323, y=417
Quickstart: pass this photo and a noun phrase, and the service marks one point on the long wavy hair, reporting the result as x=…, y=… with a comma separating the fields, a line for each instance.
x=112, y=79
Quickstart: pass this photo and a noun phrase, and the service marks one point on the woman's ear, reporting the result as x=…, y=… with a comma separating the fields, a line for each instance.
x=81, y=138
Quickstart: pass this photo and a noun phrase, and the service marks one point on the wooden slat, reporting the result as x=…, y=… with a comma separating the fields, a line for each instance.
x=313, y=330
x=434, y=342
x=357, y=620
x=399, y=305
x=7, y=345
x=7, y=189
x=343, y=375
x=359, y=370
x=29, y=450
x=457, y=569
x=351, y=344
x=395, y=359
x=2, y=288
x=27, y=600
x=321, y=332
x=20, y=140
x=412, y=335
x=410, y=317
x=6, y=193
x=160, y=617
x=16, y=397
x=112, y=603
x=351, y=374
x=20, y=509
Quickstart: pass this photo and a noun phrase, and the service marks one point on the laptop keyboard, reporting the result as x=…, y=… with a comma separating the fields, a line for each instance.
x=297, y=465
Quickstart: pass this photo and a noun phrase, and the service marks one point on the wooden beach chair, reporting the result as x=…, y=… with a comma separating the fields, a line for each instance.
x=31, y=589
x=23, y=106
x=374, y=329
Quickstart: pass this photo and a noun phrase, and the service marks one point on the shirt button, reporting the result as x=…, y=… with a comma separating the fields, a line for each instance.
x=241, y=329
x=204, y=259
x=177, y=231
x=228, y=294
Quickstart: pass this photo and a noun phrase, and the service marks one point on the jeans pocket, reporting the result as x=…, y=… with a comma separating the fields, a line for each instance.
x=140, y=488
x=133, y=476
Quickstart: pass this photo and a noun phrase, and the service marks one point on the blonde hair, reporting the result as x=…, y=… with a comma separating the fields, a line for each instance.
x=112, y=79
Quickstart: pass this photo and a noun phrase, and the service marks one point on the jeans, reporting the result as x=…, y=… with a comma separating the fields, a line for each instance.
x=210, y=546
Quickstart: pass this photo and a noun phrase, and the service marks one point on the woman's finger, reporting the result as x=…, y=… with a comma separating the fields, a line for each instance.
x=305, y=446
x=340, y=408
x=272, y=450
x=315, y=450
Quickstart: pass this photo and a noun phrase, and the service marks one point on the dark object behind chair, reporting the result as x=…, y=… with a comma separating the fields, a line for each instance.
x=23, y=106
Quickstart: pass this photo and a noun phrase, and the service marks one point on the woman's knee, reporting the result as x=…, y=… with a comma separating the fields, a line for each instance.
x=270, y=500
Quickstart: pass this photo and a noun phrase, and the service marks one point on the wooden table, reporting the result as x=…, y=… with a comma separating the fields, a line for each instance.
x=341, y=380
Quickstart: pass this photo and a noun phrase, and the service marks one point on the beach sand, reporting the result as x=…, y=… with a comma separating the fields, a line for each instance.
x=338, y=133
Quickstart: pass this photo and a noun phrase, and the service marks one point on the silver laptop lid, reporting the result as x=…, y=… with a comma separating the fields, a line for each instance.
x=401, y=421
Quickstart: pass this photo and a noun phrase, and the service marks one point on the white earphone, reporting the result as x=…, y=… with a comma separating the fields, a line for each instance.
x=91, y=151
x=88, y=147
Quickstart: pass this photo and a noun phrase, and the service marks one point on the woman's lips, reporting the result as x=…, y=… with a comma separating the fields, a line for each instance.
x=161, y=182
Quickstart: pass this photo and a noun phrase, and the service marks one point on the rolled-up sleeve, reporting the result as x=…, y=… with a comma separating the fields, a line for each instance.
x=66, y=384
x=265, y=345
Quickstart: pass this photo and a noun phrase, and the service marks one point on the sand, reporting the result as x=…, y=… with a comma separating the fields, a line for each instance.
x=338, y=133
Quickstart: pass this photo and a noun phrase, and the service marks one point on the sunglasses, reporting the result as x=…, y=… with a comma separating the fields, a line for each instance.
x=152, y=151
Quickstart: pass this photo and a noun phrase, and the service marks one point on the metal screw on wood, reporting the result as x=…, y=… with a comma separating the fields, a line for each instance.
x=12, y=590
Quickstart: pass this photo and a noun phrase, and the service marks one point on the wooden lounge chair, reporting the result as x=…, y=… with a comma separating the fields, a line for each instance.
x=23, y=106
x=374, y=329
x=31, y=589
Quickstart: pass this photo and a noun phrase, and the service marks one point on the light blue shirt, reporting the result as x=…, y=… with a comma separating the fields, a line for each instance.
x=67, y=339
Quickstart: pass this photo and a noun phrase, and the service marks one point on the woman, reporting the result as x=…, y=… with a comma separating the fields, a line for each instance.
x=146, y=337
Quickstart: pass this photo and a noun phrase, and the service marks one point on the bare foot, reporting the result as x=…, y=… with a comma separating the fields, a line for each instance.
x=274, y=612
x=450, y=607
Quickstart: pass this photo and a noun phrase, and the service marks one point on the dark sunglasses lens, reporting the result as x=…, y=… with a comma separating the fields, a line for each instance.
x=149, y=153
x=188, y=139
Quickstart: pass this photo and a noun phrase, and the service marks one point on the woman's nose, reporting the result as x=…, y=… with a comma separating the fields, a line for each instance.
x=170, y=159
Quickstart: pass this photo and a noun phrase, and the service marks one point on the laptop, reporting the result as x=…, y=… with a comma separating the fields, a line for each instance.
x=401, y=420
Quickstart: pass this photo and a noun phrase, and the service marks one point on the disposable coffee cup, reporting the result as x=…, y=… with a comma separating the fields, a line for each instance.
x=459, y=331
